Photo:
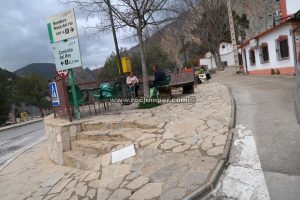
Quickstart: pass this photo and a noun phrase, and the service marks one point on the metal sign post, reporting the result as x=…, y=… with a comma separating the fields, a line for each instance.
x=66, y=54
x=62, y=26
x=63, y=34
x=62, y=73
x=54, y=94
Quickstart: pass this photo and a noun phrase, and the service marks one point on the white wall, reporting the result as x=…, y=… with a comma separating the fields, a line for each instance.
x=271, y=38
x=210, y=62
x=292, y=6
x=225, y=48
x=226, y=52
x=229, y=58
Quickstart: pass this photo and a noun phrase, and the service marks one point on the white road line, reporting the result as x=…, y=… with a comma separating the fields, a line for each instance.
x=243, y=179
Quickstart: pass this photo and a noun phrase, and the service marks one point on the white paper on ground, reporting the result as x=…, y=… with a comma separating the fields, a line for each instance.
x=122, y=154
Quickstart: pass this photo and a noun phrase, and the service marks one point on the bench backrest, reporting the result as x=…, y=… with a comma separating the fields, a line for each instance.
x=182, y=77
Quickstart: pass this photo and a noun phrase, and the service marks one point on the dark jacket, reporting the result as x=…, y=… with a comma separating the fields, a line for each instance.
x=159, y=76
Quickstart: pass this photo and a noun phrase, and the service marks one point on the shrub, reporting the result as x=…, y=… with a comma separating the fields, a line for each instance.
x=277, y=71
x=148, y=104
x=272, y=71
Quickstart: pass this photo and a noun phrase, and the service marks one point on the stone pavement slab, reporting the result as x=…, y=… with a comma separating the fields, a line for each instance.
x=177, y=148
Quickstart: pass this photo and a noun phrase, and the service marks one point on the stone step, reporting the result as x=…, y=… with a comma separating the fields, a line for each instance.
x=80, y=160
x=98, y=147
x=119, y=134
x=112, y=123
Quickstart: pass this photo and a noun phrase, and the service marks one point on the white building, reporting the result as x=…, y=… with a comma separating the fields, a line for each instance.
x=275, y=49
x=272, y=49
x=226, y=53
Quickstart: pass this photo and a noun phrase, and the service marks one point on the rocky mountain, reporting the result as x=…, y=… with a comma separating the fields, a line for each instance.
x=48, y=71
x=92, y=72
x=259, y=13
x=83, y=75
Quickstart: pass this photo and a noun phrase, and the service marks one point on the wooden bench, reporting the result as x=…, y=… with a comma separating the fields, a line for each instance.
x=183, y=80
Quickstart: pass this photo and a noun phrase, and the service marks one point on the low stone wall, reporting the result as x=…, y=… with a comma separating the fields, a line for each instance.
x=60, y=133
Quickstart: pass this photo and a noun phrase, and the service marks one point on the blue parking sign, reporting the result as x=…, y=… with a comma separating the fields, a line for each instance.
x=54, y=94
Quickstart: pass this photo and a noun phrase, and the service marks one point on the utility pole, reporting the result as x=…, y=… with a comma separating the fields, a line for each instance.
x=233, y=39
x=122, y=76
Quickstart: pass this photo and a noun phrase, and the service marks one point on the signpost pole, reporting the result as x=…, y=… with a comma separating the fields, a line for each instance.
x=63, y=34
x=73, y=89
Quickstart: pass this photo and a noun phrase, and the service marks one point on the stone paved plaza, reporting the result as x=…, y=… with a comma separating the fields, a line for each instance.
x=178, y=145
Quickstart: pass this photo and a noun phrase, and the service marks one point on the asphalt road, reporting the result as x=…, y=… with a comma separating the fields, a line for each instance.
x=266, y=105
x=13, y=142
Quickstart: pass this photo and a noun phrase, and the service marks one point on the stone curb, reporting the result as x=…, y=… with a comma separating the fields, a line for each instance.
x=205, y=190
x=19, y=125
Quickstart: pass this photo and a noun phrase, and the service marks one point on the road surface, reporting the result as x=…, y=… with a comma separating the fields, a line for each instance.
x=13, y=142
x=266, y=105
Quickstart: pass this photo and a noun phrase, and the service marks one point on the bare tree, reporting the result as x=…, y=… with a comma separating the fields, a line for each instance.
x=208, y=25
x=135, y=14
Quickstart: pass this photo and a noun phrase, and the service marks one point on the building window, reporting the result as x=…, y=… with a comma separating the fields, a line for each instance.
x=282, y=48
x=252, y=57
x=264, y=53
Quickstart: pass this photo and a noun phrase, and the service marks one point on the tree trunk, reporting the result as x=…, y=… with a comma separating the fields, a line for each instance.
x=143, y=61
x=218, y=61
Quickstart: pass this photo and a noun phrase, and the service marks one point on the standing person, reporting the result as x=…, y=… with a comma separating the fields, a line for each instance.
x=207, y=73
x=197, y=79
x=159, y=76
x=132, y=82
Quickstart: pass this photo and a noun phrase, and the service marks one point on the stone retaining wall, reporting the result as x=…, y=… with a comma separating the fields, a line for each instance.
x=60, y=133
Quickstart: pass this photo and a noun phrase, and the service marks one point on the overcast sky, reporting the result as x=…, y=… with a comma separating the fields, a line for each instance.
x=24, y=37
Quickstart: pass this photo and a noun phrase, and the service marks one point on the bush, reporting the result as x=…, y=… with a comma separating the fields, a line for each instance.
x=272, y=71
x=277, y=71
x=148, y=104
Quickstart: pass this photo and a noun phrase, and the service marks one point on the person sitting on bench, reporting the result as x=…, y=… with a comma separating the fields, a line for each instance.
x=160, y=76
